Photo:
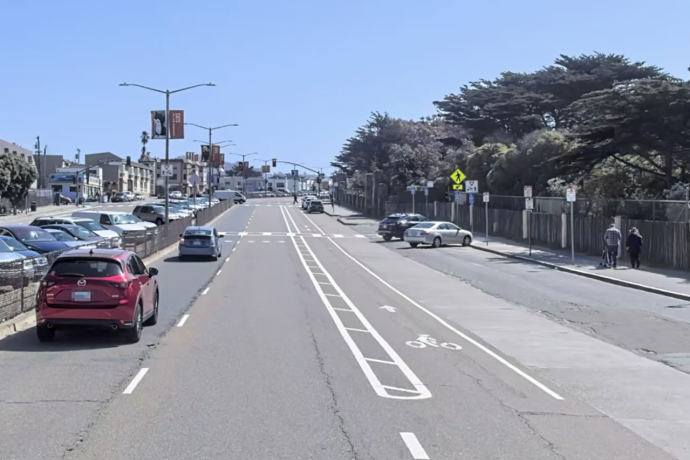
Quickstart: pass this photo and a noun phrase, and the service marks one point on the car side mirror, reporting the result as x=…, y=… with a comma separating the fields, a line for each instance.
x=153, y=271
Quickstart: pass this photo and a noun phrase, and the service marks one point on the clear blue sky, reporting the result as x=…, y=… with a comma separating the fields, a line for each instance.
x=299, y=76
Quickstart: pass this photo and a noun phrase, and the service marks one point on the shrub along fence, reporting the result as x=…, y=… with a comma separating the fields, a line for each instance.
x=19, y=279
x=666, y=244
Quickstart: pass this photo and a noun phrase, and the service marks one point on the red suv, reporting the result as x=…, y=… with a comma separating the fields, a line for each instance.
x=98, y=287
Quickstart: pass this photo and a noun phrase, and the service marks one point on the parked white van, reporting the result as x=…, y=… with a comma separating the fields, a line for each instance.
x=233, y=195
x=119, y=222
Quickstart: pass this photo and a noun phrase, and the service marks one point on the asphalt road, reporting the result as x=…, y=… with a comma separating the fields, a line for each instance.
x=307, y=341
x=650, y=325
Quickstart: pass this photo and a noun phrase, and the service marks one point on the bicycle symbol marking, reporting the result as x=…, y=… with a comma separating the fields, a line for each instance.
x=425, y=340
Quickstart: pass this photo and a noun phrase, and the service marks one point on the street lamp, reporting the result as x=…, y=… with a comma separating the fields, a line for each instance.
x=244, y=170
x=210, y=153
x=167, y=131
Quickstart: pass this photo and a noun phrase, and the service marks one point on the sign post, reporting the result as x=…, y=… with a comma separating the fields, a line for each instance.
x=529, y=206
x=426, y=201
x=457, y=177
x=472, y=188
x=486, y=216
x=413, y=190
x=570, y=197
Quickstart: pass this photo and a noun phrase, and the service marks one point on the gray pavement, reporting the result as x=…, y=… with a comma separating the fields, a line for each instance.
x=309, y=341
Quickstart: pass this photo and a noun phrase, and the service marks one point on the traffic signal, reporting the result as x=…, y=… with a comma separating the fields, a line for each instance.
x=129, y=161
x=313, y=188
x=245, y=165
x=318, y=180
x=275, y=162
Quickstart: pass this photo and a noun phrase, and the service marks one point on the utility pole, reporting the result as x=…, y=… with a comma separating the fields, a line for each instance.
x=167, y=131
x=38, y=160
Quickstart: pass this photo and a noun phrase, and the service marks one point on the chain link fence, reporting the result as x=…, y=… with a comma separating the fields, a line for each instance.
x=19, y=279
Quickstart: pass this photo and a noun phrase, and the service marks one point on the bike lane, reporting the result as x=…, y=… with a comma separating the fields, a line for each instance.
x=480, y=407
x=51, y=392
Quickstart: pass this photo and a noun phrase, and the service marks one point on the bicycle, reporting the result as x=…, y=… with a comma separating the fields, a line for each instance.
x=425, y=340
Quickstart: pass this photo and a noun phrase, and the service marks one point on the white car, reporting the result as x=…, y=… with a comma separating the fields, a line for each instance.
x=175, y=194
x=119, y=222
x=437, y=234
x=88, y=224
x=306, y=200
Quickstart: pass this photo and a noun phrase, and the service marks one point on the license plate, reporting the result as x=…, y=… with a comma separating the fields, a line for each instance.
x=81, y=296
x=384, y=226
x=413, y=233
x=197, y=243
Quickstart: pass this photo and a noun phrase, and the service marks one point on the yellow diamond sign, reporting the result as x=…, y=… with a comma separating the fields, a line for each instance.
x=458, y=176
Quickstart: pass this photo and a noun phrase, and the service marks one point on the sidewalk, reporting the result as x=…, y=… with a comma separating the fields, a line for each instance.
x=672, y=283
x=348, y=217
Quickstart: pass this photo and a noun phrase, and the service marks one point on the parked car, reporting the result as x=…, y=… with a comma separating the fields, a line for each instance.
x=119, y=222
x=65, y=199
x=437, y=234
x=16, y=270
x=306, y=199
x=129, y=195
x=139, y=196
x=119, y=197
x=40, y=263
x=108, y=288
x=201, y=241
x=315, y=206
x=34, y=238
x=153, y=213
x=394, y=226
x=89, y=224
x=66, y=238
x=76, y=231
x=175, y=194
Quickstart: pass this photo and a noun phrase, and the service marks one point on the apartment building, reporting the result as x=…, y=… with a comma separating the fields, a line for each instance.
x=118, y=177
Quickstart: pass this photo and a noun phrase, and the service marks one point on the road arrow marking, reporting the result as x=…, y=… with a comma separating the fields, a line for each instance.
x=389, y=308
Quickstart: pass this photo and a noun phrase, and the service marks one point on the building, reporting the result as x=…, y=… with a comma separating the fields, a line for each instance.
x=274, y=182
x=28, y=155
x=118, y=177
x=184, y=169
x=76, y=181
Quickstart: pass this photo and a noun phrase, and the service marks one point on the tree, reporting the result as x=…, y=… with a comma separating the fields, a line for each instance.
x=642, y=124
x=238, y=171
x=21, y=174
x=144, y=141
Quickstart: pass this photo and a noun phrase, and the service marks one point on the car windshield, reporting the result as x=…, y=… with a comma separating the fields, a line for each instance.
x=80, y=232
x=13, y=244
x=91, y=225
x=90, y=268
x=120, y=219
x=425, y=225
x=62, y=236
x=4, y=247
x=32, y=234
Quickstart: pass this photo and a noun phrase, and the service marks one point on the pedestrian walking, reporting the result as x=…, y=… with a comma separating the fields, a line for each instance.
x=332, y=202
x=634, y=246
x=294, y=198
x=612, y=236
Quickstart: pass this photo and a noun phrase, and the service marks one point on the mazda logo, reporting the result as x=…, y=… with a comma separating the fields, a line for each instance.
x=81, y=283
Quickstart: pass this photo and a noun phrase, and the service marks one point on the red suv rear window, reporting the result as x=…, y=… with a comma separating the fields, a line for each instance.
x=89, y=268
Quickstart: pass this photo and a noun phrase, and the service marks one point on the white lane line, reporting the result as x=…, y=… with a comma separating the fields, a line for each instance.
x=356, y=330
x=205, y=291
x=233, y=250
x=414, y=446
x=293, y=223
x=266, y=234
x=491, y=353
x=420, y=390
x=332, y=295
x=137, y=378
x=342, y=309
x=316, y=235
x=218, y=272
x=374, y=360
x=360, y=236
x=337, y=236
x=183, y=320
x=227, y=259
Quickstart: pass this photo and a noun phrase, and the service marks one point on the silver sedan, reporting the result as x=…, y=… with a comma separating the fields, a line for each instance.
x=437, y=234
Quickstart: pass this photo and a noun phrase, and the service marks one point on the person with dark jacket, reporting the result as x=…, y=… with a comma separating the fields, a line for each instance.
x=634, y=246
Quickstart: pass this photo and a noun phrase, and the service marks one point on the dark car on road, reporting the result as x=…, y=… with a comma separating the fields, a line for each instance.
x=315, y=206
x=34, y=238
x=108, y=288
x=394, y=226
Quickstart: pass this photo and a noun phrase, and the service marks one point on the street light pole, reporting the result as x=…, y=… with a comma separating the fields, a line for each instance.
x=167, y=131
x=210, y=153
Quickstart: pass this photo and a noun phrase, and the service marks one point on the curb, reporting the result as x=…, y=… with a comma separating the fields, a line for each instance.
x=603, y=278
x=339, y=219
x=27, y=319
